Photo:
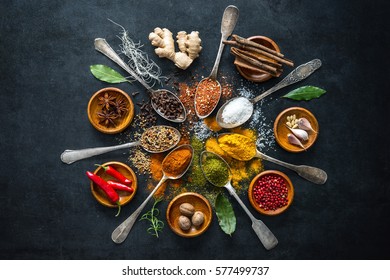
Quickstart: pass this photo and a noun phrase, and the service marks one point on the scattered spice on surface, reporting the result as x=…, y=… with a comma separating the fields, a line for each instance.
x=270, y=192
x=212, y=123
x=207, y=96
x=215, y=169
x=167, y=105
x=140, y=160
x=159, y=138
x=146, y=117
x=238, y=146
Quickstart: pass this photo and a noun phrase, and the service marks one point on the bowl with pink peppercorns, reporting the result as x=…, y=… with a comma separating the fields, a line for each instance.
x=271, y=192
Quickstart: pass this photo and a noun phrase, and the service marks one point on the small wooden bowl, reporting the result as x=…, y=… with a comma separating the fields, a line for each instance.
x=259, y=76
x=290, y=193
x=200, y=203
x=124, y=197
x=281, y=130
x=121, y=123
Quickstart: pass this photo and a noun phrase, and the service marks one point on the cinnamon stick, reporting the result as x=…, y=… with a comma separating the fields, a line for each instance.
x=260, y=58
x=271, y=70
x=247, y=42
x=259, y=51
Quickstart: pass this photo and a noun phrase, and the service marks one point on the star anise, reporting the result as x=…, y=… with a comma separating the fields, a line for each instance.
x=120, y=106
x=106, y=100
x=107, y=117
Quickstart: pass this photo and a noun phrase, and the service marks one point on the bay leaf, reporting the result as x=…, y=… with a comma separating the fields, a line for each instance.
x=225, y=214
x=106, y=74
x=305, y=93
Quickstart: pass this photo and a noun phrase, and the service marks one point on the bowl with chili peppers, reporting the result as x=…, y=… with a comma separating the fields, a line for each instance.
x=110, y=110
x=113, y=184
x=271, y=192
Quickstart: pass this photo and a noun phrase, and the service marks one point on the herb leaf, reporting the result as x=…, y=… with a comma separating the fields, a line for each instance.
x=305, y=93
x=225, y=214
x=106, y=74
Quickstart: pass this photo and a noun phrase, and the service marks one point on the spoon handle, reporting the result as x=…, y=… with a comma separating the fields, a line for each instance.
x=122, y=231
x=229, y=20
x=70, y=156
x=265, y=235
x=298, y=74
x=102, y=46
x=310, y=173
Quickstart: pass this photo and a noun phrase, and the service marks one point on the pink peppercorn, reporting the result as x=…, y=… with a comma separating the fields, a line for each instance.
x=270, y=192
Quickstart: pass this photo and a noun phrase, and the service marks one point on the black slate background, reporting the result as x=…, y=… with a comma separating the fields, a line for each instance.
x=46, y=47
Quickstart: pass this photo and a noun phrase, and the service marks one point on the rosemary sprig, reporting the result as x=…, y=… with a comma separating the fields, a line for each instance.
x=156, y=225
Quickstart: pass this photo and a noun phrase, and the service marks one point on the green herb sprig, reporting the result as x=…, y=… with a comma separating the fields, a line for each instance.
x=156, y=225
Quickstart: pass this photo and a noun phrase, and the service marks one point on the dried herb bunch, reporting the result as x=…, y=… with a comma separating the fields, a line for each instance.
x=112, y=108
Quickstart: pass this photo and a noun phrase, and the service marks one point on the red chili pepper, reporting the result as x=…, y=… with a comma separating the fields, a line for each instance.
x=116, y=174
x=108, y=190
x=120, y=187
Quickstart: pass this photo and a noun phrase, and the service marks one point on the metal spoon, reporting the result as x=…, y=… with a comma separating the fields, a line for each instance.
x=298, y=74
x=310, y=173
x=229, y=20
x=265, y=235
x=102, y=46
x=70, y=156
x=121, y=232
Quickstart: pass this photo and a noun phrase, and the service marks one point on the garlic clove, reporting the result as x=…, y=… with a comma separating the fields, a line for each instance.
x=292, y=139
x=304, y=124
x=300, y=133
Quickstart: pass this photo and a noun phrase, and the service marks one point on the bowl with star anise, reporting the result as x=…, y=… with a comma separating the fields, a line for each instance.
x=110, y=110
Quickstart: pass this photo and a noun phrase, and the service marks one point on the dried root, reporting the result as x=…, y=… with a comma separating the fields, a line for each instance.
x=189, y=46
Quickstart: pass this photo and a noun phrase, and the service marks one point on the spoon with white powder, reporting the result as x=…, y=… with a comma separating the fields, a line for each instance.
x=238, y=110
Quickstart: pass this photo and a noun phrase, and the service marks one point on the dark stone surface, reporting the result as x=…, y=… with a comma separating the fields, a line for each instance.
x=46, y=208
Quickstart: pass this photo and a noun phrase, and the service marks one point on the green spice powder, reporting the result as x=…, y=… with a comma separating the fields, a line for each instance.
x=215, y=170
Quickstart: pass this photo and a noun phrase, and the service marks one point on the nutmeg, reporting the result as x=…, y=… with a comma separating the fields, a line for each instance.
x=187, y=209
x=198, y=218
x=184, y=223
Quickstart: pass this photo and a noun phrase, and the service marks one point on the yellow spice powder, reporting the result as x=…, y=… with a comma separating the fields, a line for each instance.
x=238, y=146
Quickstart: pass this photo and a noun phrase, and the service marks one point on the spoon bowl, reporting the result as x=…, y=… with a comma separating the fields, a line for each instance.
x=267, y=238
x=229, y=20
x=122, y=231
x=298, y=74
x=71, y=156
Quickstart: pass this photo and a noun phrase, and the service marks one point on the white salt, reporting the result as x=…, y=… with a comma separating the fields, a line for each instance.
x=237, y=111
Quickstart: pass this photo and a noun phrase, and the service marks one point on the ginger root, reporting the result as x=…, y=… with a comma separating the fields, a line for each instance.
x=189, y=46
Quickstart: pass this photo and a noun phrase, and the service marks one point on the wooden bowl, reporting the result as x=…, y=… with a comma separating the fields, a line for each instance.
x=120, y=123
x=200, y=203
x=259, y=76
x=290, y=193
x=124, y=197
x=281, y=131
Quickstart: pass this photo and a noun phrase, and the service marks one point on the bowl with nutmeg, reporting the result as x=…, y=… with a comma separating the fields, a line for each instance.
x=110, y=110
x=189, y=214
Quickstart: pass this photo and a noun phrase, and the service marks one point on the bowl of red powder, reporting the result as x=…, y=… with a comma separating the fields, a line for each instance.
x=271, y=192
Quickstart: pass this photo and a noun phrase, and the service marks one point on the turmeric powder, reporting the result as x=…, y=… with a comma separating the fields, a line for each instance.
x=237, y=146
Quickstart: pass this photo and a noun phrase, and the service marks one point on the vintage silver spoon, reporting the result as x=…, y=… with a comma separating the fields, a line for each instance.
x=102, y=46
x=122, y=231
x=298, y=74
x=310, y=173
x=70, y=156
x=265, y=235
x=229, y=20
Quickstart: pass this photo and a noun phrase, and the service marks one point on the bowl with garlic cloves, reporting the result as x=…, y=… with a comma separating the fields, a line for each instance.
x=296, y=129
